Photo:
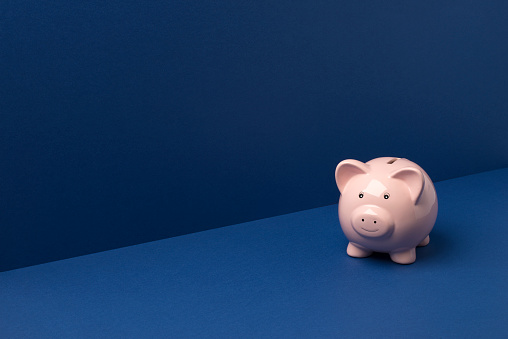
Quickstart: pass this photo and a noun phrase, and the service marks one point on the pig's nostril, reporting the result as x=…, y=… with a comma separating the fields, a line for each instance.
x=362, y=220
x=374, y=221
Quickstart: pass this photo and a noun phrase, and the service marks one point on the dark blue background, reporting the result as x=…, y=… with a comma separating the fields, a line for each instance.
x=128, y=121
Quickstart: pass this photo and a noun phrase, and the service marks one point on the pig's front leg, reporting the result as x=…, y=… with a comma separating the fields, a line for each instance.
x=405, y=257
x=357, y=252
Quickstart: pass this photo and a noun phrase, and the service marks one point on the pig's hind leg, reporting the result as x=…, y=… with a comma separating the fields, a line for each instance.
x=357, y=252
x=424, y=242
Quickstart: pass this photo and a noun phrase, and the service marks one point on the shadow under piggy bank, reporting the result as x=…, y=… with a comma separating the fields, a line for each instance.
x=439, y=250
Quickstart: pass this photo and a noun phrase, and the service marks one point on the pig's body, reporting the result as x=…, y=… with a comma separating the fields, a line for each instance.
x=386, y=205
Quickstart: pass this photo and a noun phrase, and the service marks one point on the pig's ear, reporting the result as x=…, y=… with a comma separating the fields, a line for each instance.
x=346, y=169
x=414, y=180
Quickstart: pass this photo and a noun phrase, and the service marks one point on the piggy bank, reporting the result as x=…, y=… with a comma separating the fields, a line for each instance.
x=386, y=205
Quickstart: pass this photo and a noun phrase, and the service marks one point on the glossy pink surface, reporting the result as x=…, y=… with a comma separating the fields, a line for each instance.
x=386, y=205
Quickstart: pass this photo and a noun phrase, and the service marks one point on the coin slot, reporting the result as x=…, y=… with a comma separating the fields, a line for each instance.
x=392, y=161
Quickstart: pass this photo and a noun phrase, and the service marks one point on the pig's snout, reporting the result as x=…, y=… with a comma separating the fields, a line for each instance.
x=372, y=221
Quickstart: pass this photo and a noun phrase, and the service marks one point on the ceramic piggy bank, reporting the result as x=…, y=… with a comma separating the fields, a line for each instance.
x=387, y=205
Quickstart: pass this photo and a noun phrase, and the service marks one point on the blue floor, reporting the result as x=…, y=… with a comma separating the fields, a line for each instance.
x=287, y=276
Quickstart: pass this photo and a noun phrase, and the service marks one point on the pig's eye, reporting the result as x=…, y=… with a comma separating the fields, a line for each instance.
x=387, y=195
x=360, y=195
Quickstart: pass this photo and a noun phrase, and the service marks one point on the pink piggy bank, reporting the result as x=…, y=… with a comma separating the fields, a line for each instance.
x=387, y=205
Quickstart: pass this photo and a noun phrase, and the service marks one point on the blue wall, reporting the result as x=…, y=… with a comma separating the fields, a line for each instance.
x=129, y=121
